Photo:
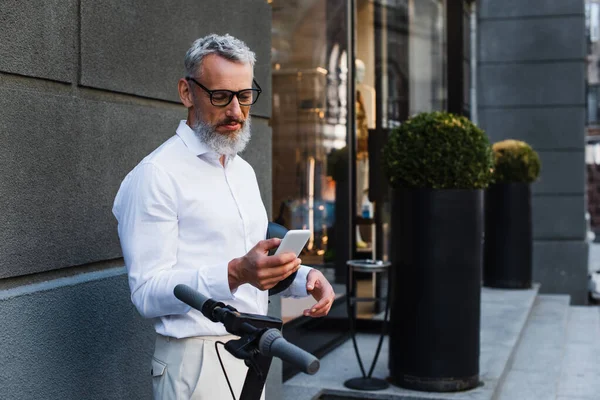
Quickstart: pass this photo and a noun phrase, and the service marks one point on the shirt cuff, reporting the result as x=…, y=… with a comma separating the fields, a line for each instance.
x=298, y=286
x=214, y=281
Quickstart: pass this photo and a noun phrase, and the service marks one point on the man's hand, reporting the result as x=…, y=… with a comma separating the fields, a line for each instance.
x=320, y=288
x=259, y=269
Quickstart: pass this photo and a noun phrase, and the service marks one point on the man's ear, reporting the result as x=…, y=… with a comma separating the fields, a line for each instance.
x=185, y=93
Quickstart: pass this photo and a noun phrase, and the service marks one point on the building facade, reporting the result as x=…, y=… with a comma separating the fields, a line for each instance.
x=88, y=88
x=531, y=86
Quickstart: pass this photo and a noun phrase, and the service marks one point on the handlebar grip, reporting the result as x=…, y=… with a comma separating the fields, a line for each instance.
x=273, y=344
x=190, y=296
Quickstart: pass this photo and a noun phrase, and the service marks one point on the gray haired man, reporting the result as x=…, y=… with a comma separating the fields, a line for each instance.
x=191, y=213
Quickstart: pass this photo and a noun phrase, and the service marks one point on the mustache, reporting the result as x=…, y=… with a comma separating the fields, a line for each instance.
x=227, y=121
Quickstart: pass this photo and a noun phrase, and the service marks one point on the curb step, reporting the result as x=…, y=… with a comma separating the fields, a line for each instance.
x=536, y=365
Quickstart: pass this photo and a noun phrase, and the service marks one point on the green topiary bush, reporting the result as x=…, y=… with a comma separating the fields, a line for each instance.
x=515, y=162
x=438, y=150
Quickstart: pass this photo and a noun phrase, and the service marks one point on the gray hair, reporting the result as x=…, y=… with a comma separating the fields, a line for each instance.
x=226, y=46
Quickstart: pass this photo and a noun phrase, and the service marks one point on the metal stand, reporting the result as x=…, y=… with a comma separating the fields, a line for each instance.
x=366, y=382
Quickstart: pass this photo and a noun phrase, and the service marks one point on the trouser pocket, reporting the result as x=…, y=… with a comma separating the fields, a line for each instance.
x=158, y=368
x=176, y=365
x=159, y=384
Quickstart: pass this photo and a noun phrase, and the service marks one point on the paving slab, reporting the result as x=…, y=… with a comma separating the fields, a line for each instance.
x=536, y=366
x=529, y=385
x=580, y=376
x=543, y=341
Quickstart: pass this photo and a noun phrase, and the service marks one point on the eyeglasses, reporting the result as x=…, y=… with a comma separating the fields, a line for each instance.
x=222, y=97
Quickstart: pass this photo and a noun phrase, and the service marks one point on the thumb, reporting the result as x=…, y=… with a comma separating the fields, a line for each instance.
x=312, y=281
x=267, y=244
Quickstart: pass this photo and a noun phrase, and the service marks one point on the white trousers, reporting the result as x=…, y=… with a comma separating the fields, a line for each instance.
x=189, y=369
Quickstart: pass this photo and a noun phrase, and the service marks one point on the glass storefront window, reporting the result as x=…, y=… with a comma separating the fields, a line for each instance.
x=411, y=35
x=427, y=86
x=327, y=172
x=400, y=70
x=406, y=54
x=309, y=124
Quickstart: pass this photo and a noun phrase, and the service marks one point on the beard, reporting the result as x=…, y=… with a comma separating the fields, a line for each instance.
x=223, y=144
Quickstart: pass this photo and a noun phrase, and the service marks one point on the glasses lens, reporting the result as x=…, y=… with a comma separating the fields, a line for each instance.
x=246, y=97
x=220, y=98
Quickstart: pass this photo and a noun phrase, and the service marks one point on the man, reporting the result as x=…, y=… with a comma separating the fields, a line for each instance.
x=191, y=213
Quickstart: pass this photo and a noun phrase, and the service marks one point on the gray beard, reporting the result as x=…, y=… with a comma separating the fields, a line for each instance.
x=227, y=145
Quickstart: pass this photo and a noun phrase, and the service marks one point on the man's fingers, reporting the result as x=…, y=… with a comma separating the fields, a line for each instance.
x=319, y=313
x=325, y=295
x=278, y=260
x=276, y=275
x=320, y=309
x=284, y=258
x=321, y=304
x=269, y=283
x=271, y=276
x=267, y=244
x=315, y=312
x=315, y=308
x=293, y=269
x=284, y=268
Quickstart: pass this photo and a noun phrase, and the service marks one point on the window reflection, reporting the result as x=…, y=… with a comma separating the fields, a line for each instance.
x=310, y=110
x=426, y=56
x=411, y=59
x=399, y=71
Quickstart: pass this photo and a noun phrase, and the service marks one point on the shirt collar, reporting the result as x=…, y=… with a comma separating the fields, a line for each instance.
x=190, y=139
x=192, y=142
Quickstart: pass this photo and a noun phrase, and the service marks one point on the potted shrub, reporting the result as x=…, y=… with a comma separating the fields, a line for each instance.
x=437, y=165
x=508, y=244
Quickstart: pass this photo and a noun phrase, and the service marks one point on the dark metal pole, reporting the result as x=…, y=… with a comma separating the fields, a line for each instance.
x=351, y=121
x=376, y=184
x=455, y=55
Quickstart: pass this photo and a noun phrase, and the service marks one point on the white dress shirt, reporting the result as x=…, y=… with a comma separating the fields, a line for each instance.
x=182, y=217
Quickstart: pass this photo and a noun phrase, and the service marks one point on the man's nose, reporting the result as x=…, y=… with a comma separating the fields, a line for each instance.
x=234, y=110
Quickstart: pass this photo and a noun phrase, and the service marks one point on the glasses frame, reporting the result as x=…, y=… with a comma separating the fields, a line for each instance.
x=258, y=91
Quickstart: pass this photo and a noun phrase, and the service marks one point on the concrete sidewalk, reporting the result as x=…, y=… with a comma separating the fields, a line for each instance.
x=504, y=316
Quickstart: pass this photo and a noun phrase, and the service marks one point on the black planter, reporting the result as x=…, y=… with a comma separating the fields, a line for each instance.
x=436, y=300
x=508, y=236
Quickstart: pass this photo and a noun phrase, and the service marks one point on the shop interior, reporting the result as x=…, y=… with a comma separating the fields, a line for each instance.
x=343, y=74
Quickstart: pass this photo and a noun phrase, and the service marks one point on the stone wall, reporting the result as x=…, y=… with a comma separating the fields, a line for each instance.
x=87, y=89
x=531, y=86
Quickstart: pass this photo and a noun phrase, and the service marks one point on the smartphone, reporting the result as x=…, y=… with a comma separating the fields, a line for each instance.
x=293, y=241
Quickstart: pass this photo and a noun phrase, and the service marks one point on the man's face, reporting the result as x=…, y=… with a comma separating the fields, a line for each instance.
x=219, y=73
